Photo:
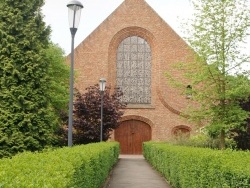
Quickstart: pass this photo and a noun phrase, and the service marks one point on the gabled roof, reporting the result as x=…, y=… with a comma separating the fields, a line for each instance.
x=130, y=13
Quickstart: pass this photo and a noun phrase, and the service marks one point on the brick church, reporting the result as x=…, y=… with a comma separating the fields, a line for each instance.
x=132, y=49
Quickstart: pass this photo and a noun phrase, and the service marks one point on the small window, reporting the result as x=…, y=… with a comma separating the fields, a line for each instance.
x=181, y=131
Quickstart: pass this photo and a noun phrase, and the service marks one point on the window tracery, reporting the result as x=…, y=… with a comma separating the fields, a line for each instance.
x=133, y=70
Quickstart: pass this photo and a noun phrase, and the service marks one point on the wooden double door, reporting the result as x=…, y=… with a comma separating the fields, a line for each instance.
x=131, y=134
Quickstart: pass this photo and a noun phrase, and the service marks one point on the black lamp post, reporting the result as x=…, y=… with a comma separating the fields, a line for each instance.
x=74, y=8
x=102, y=83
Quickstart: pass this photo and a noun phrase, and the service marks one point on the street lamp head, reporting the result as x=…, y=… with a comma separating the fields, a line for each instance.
x=102, y=83
x=74, y=8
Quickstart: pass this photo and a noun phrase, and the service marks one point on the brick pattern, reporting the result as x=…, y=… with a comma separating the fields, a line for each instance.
x=95, y=58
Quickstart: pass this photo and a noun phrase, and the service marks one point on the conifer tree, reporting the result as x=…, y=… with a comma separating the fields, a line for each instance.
x=26, y=117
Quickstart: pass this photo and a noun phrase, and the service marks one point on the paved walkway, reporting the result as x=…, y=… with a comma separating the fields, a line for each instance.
x=133, y=171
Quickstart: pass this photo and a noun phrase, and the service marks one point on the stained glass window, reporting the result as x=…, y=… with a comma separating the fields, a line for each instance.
x=133, y=70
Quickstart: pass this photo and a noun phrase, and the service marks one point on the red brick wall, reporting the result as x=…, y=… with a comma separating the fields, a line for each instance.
x=95, y=58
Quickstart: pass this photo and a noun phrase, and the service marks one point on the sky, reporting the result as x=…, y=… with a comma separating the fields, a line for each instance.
x=96, y=11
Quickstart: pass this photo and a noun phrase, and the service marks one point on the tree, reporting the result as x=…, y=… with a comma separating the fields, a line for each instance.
x=27, y=120
x=58, y=88
x=242, y=137
x=58, y=83
x=87, y=114
x=217, y=34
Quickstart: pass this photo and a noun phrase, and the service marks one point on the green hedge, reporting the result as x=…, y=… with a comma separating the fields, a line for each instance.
x=199, y=167
x=85, y=166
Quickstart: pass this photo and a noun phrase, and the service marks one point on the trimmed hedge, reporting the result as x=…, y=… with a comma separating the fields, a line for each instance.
x=85, y=166
x=199, y=167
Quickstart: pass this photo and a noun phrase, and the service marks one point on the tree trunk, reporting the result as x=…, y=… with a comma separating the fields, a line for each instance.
x=222, y=139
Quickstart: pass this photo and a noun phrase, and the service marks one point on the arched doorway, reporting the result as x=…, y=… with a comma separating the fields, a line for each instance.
x=131, y=134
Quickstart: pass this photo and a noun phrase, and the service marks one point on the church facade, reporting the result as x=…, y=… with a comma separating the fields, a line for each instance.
x=132, y=49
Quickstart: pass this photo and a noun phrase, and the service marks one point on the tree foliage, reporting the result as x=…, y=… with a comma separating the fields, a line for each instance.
x=27, y=120
x=87, y=114
x=242, y=137
x=217, y=34
x=58, y=83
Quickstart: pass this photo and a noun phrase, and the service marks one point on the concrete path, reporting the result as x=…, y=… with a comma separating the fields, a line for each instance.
x=133, y=171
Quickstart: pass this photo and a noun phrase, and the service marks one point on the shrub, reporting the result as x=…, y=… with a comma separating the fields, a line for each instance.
x=85, y=166
x=87, y=114
x=202, y=140
x=199, y=167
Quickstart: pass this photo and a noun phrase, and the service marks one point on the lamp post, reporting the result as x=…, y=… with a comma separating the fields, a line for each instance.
x=74, y=8
x=102, y=83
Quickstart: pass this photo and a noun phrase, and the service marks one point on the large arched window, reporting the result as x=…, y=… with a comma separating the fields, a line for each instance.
x=133, y=70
